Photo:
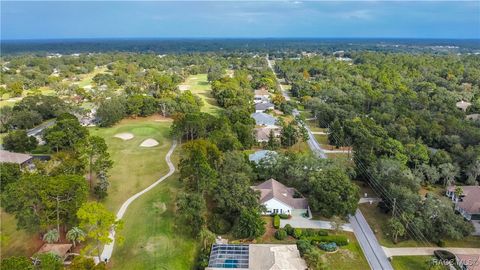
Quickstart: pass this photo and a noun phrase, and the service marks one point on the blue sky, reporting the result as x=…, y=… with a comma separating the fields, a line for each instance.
x=345, y=19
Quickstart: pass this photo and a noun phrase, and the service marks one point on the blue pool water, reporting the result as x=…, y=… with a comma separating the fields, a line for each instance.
x=230, y=263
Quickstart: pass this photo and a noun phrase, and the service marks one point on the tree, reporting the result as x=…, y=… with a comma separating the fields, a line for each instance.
x=9, y=173
x=473, y=172
x=249, y=224
x=49, y=261
x=290, y=134
x=332, y=193
x=458, y=192
x=272, y=143
x=336, y=135
x=19, y=141
x=110, y=111
x=39, y=201
x=199, y=158
x=97, y=222
x=65, y=134
x=84, y=263
x=337, y=223
x=75, y=235
x=190, y=210
x=396, y=228
x=16, y=263
x=51, y=236
x=448, y=172
x=93, y=152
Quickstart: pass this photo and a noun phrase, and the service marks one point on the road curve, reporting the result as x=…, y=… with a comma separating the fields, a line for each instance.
x=108, y=249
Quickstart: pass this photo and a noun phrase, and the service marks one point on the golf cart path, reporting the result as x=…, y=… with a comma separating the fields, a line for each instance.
x=108, y=249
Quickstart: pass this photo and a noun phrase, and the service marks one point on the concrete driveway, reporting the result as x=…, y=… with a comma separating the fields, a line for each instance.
x=304, y=223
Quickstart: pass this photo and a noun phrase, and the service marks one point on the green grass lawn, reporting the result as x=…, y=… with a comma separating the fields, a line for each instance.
x=88, y=78
x=199, y=85
x=151, y=240
x=377, y=221
x=135, y=167
x=16, y=242
x=411, y=262
x=348, y=257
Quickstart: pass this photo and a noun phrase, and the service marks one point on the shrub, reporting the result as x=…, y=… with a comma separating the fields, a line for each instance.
x=322, y=233
x=330, y=247
x=281, y=234
x=340, y=240
x=297, y=233
x=276, y=222
x=219, y=225
x=309, y=233
x=289, y=229
x=284, y=216
x=304, y=246
x=441, y=243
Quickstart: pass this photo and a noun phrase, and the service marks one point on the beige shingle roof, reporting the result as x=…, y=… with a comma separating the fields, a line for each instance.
x=470, y=202
x=11, y=157
x=272, y=189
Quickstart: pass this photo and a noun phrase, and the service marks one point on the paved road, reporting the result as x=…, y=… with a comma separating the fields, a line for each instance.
x=417, y=251
x=368, y=242
x=108, y=249
x=376, y=257
x=312, y=142
x=38, y=129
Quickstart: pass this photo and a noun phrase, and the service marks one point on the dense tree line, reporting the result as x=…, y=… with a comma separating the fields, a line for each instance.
x=399, y=113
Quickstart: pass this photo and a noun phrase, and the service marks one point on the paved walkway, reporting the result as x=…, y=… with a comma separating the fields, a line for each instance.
x=312, y=224
x=108, y=249
x=319, y=132
x=418, y=251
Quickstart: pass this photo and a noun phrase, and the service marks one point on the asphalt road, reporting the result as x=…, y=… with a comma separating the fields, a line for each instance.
x=376, y=257
x=38, y=129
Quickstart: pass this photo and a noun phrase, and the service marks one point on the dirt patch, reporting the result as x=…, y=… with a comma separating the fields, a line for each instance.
x=149, y=143
x=124, y=136
x=159, y=207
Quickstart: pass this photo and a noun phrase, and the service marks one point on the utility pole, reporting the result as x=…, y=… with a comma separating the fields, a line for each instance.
x=394, y=205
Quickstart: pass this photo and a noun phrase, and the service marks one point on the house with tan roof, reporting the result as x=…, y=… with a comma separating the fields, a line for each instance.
x=280, y=199
x=262, y=134
x=468, y=203
x=17, y=158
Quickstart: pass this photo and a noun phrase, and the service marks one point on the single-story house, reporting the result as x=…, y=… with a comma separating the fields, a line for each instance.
x=463, y=105
x=255, y=257
x=263, y=133
x=17, y=158
x=263, y=119
x=62, y=250
x=261, y=107
x=280, y=199
x=467, y=204
x=261, y=93
x=261, y=154
x=260, y=99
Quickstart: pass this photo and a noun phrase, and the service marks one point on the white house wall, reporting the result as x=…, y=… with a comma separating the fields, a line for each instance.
x=275, y=204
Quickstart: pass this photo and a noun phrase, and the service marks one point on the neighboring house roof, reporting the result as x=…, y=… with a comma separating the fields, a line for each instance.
x=261, y=92
x=463, y=105
x=261, y=154
x=474, y=116
x=263, y=133
x=255, y=257
x=263, y=119
x=470, y=199
x=272, y=189
x=264, y=106
x=470, y=261
x=59, y=249
x=11, y=157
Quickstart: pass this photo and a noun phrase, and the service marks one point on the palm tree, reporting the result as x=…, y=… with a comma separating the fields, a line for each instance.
x=51, y=236
x=75, y=235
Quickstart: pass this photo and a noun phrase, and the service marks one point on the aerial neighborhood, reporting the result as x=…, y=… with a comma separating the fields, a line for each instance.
x=237, y=153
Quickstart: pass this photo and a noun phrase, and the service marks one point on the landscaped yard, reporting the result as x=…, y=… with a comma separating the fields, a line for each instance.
x=411, y=262
x=151, y=240
x=199, y=85
x=16, y=242
x=377, y=221
x=135, y=167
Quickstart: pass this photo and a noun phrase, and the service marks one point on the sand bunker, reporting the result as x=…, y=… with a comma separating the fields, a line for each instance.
x=124, y=136
x=149, y=143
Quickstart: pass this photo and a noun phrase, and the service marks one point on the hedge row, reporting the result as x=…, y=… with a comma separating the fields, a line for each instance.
x=340, y=240
x=276, y=222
